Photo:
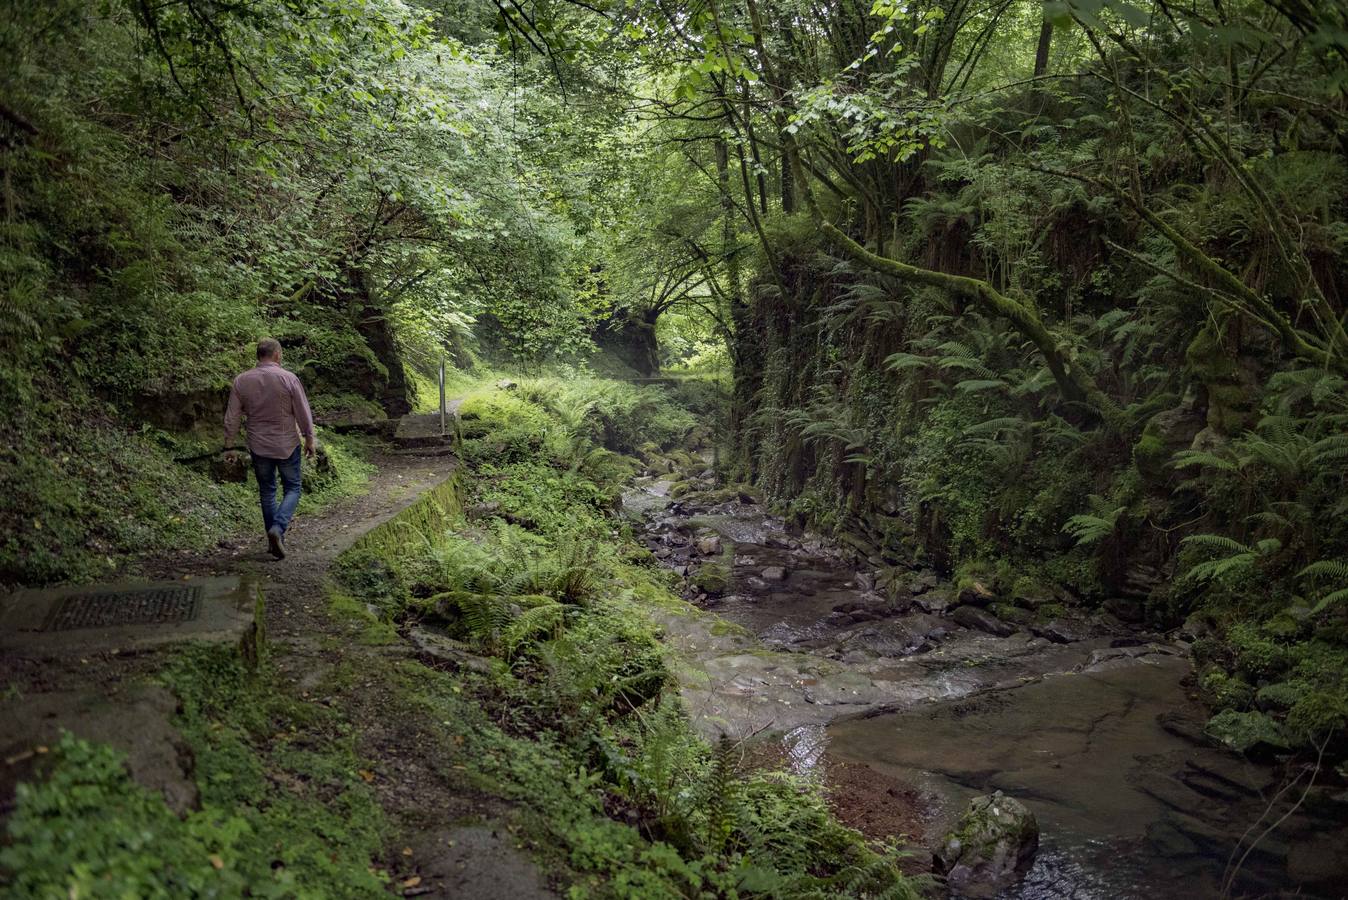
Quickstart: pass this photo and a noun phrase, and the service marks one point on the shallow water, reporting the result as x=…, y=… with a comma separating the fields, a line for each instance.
x=1081, y=750
x=1126, y=807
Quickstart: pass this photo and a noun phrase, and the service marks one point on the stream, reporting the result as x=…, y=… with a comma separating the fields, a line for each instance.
x=1084, y=719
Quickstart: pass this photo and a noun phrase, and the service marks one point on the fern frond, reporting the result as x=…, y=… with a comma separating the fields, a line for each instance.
x=1185, y=458
x=1218, y=542
x=1329, y=599
x=1336, y=569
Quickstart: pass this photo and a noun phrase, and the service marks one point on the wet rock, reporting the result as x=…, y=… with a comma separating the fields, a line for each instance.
x=977, y=594
x=1318, y=860
x=1013, y=614
x=935, y=602
x=774, y=573
x=1128, y=609
x=779, y=541
x=434, y=649
x=924, y=581
x=1196, y=626
x=982, y=620
x=746, y=498
x=1033, y=601
x=757, y=585
x=1182, y=726
x=1169, y=842
x=709, y=545
x=993, y=845
x=1061, y=631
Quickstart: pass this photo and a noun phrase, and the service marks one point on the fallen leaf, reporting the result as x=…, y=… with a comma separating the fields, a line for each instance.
x=216, y=861
x=413, y=881
x=366, y=774
x=407, y=851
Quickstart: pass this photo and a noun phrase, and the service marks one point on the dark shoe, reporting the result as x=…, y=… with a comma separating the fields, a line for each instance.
x=276, y=543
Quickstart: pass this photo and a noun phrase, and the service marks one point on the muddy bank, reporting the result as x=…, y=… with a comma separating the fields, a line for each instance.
x=909, y=698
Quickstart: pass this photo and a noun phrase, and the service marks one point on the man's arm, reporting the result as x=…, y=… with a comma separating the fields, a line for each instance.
x=233, y=414
x=303, y=417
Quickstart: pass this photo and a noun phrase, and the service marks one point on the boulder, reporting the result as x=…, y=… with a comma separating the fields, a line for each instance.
x=1247, y=733
x=923, y=582
x=1061, y=631
x=436, y=650
x=709, y=545
x=1013, y=614
x=934, y=602
x=991, y=848
x=976, y=594
x=774, y=573
x=982, y=620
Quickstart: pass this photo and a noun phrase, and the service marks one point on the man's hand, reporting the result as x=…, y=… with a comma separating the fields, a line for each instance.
x=310, y=447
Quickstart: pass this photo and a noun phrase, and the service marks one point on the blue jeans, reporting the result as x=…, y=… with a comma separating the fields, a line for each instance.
x=265, y=469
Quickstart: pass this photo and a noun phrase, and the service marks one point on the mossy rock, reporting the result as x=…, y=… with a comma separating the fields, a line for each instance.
x=1281, y=696
x=1221, y=691
x=1013, y=614
x=681, y=489
x=1248, y=733
x=718, y=496
x=1049, y=612
x=712, y=578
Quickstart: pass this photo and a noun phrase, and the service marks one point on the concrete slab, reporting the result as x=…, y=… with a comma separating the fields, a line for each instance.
x=136, y=720
x=126, y=615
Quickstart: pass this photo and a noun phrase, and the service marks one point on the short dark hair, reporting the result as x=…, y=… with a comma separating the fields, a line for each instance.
x=268, y=347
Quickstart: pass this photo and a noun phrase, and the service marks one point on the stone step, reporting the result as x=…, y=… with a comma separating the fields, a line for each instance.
x=423, y=430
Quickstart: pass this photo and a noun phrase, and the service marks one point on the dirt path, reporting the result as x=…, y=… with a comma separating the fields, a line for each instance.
x=447, y=840
x=459, y=848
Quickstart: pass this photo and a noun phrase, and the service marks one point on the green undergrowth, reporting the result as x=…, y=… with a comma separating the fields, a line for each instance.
x=557, y=692
x=283, y=812
x=87, y=494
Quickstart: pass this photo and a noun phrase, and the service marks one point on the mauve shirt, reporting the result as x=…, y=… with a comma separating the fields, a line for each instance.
x=278, y=412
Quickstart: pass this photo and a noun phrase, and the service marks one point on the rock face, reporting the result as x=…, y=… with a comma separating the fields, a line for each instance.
x=993, y=846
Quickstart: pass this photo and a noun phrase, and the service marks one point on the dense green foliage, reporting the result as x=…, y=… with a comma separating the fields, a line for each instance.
x=1051, y=293
x=283, y=812
x=578, y=714
x=1048, y=295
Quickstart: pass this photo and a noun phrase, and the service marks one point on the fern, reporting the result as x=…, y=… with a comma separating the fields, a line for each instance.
x=1205, y=458
x=1336, y=569
x=1238, y=559
x=544, y=619
x=1087, y=529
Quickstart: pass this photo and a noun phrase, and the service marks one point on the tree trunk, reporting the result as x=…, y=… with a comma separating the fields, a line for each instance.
x=1042, y=50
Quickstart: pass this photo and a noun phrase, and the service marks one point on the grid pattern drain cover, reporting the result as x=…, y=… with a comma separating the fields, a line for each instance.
x=142, y=606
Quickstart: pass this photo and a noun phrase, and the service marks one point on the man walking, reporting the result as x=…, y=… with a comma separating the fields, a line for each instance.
x=277, y=412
